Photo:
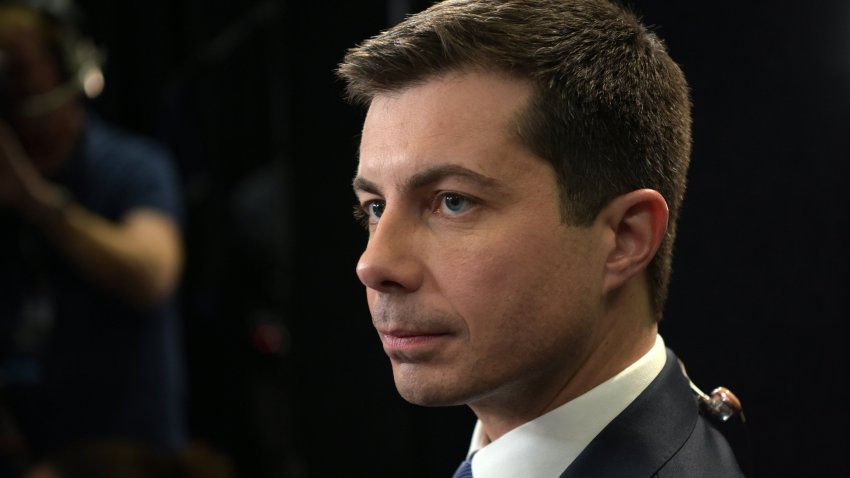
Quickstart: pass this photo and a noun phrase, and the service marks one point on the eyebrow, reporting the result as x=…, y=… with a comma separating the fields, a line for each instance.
x=429, y=176
x=362, y=184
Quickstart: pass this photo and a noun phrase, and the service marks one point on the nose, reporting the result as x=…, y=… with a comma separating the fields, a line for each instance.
x=391, y=262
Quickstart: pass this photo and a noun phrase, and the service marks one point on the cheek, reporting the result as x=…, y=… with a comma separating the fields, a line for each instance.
x=469, y=277
x=507, y=277
x=527, y=298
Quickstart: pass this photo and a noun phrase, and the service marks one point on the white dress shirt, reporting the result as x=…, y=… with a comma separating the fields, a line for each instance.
x=547, y=445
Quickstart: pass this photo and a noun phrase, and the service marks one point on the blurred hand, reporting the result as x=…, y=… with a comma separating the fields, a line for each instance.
x=138, y=257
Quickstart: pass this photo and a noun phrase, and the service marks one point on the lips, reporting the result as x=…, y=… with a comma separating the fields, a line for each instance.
x=410, y=340
x=408, y=331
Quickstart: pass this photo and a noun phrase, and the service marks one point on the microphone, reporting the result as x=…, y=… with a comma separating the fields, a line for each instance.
x=721, y=403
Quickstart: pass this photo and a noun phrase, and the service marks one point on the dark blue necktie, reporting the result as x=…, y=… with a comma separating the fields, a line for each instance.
x=464, y=470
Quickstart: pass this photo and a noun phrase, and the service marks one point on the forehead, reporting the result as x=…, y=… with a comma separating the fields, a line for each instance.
x=455, y=118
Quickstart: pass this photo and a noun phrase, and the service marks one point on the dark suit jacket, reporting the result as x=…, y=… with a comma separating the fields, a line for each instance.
x=660, y=434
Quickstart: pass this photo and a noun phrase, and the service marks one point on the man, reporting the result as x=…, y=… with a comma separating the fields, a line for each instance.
x=522, y=165
x=89, y=258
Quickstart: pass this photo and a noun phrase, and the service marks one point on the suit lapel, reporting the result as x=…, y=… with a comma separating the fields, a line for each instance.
x=646, y=434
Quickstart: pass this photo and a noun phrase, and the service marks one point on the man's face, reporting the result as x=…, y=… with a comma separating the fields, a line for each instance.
x=478, y=290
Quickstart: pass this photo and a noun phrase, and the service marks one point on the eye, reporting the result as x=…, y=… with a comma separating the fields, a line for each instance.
x=369, y=213
x=452, y=204
x=375, y=209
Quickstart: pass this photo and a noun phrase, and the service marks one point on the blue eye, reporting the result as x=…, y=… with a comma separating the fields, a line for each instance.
x=455, y=203
x=376, y=209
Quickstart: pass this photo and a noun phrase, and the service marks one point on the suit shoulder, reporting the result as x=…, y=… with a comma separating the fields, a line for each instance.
x=706, y=454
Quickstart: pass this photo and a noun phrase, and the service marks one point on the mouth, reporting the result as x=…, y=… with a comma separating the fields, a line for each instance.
x=397, y=341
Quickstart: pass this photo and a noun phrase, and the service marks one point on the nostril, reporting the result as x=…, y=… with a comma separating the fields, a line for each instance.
x=390, y=284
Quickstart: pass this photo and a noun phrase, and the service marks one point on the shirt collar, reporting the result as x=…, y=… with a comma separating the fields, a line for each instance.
x=548, y=444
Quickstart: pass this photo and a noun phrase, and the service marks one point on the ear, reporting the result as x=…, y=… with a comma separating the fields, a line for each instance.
x=638, y=221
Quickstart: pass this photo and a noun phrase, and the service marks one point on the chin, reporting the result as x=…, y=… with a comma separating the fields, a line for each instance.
x=426, y=399
x=421, y=392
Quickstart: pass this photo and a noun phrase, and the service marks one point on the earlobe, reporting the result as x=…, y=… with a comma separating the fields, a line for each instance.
x=638, y=221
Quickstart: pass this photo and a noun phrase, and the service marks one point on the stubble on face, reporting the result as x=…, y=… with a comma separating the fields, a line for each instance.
x=507, y=359
x=508, y=293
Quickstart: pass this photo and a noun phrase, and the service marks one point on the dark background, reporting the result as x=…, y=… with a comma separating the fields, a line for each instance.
x=287, y=377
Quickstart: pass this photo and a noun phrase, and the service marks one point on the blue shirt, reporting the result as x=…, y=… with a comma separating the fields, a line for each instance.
x=76, y=362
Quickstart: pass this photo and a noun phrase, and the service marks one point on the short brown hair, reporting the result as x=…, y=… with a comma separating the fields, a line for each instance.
x=610, y=111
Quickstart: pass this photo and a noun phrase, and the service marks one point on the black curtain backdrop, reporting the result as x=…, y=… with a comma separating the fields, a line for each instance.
x=287, y=377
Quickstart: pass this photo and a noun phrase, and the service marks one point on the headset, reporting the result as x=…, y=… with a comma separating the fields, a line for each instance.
x=81, y=61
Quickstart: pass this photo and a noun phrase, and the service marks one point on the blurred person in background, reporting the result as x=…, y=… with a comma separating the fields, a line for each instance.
x=90, y=256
